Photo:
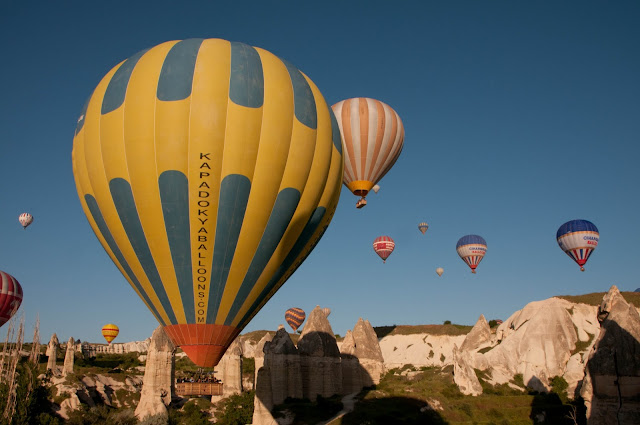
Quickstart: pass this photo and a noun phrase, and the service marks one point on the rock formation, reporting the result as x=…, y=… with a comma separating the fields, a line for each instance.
x=158, y=381
x=283, y=362
x=463, y=373
x=52, y=353
x=319, y=358
x=479, y=337
x=539, y=347
x=419, y=349
x=230, y=368
x=262, y=402
x=611, y=387
x=362, y=361
x=69, y=357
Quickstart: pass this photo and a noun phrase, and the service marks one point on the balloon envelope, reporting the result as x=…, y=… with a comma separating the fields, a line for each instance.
x=383, y=246
x=439, y=270
x=294, y=317
x=578, y=239
x=25, y=219
x=373, y=137
x=471, y=248
x=10, y=296
x=208, y=170
x=423, y=227
x=110, y=332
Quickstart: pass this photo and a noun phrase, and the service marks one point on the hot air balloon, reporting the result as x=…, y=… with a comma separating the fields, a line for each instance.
x=294, y=317
x=208, y=170
x=383, y=246
x=10, y=296
x=375, y=188
x=110, y=332
x=373, y=137
x=423, y=227
x=471, y=248
x=25, y=219
x=578, y=239
x=326, y=311
x=439, y=270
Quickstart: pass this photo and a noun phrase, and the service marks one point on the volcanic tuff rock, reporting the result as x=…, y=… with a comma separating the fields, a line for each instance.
x=283, y=362
x=463, y=373
x=362, y=360
x=69, y=357
x=319, y=358
x=158, y=381
x=539, y=347
x=230, y=368
x=52, y=353
x=419, y=349
x=262, y=402
x=479, y=337
x=611, y=387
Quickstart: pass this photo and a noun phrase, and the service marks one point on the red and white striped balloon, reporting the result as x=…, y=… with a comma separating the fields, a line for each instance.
x=384, y=246
x=10, y=297
x=25, y=219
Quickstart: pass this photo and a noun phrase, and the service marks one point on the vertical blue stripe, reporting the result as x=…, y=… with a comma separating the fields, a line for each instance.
x=117, y=88
x=281, y=214
x=288, y=264
x=335, y=132
x=126, y=207
x=234, y=195
x=305, y=103
x=176, y=76
x=174, y=195
x=106, y=234
x=246, y=85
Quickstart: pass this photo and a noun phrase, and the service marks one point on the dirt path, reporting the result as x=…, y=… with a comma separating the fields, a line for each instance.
x=348, y=402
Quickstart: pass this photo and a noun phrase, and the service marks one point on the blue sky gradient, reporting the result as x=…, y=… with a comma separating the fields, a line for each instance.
x=519, y=116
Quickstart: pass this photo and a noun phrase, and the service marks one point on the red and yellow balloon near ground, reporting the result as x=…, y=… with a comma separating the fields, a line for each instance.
x=110, y=332
x=208, y=170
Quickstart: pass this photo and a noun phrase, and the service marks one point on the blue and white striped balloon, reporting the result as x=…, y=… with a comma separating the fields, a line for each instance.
x=578, y=239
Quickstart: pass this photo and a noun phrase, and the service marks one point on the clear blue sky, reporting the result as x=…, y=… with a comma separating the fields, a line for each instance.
x=519, y=116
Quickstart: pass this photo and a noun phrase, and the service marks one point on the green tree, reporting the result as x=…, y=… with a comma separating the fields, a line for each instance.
x=236, y=410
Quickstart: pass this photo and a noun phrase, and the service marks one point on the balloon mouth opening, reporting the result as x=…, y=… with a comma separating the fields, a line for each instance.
x=204, y=355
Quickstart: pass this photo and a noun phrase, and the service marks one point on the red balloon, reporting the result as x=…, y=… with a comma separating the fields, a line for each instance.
x=383, y=246
x=10, y=296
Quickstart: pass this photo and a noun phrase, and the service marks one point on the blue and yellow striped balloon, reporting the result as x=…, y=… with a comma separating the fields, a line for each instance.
x=208, y=170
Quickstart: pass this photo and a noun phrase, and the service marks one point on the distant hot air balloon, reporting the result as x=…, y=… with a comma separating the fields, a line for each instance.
x=423, y=227
x=294, y=317
x=208, y=170
x=326, y=311
x=110, y=332
x=10, y=296
x=383, y=246
x=471, y=249
x=439, y=270
x=578, y=239
x=373, y=137
x=25, y=219
x=375, y=188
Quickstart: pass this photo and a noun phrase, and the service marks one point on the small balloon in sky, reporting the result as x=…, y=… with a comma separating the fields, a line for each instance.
x=439, y=270
x=423, y=227
x=25, y=219
x=383, y=246
x=110, y=332
x=578, y=239
x=472, y=248
x=294, y=317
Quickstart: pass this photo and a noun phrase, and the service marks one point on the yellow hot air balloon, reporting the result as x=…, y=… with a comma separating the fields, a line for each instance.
x=208, y=170
x=110, y=332
x=373, y=137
